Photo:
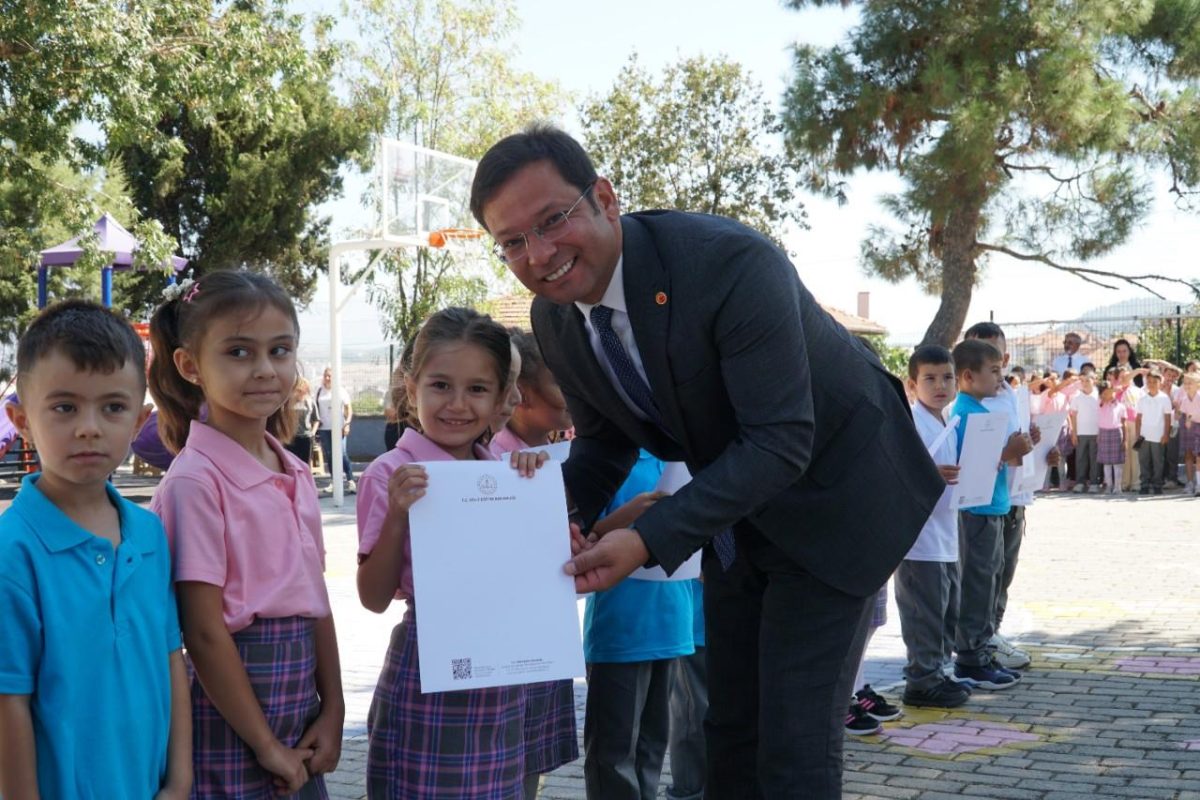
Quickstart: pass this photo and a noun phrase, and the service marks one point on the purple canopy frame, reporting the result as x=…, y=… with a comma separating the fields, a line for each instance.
x=112, y=239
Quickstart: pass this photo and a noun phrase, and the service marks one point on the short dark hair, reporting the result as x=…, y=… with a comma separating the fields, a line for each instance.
x=92, y=336
x=974, y=354
x=538, y=142
x=1018, y=370
x=930, y=354
x=984, y=330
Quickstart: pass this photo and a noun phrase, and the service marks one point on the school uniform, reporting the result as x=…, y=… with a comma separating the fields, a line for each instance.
x=1110, y=442
x=689, y=704
x=447, y=745
x=1129, y=398
x=981, y=537
x=1085, y=408
x=1153, y=411
x=632, y=635
x=87, y=631
x=1189, y=423
x=1013, y=533
x=551, y=738
x=925, y=577
x=234, y=523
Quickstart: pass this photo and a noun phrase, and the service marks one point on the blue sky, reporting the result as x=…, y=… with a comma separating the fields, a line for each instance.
x=583, y=46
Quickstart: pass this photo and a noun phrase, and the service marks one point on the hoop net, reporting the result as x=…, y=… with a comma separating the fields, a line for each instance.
x=444, y=236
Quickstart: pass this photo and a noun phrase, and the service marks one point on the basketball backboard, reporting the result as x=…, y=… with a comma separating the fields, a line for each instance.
x=425, y=192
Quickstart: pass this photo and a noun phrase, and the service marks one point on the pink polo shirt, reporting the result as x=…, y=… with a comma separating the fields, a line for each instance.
x=1189, y=407
x=235, y=524
x=373, y=496
x=506, y=442
x=1111, y=416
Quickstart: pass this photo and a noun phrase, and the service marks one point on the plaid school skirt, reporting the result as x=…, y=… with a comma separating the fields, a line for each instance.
x=281, y=661
x=1110, y=447
x=550, y=736
x=467, y=745
x=1189, y=438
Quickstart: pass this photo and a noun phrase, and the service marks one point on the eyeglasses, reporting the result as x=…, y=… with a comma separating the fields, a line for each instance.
x=552, y=229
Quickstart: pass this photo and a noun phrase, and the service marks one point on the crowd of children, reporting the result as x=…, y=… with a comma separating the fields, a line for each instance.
x=210, y=660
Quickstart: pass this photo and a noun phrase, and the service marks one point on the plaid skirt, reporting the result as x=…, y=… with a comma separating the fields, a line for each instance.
x=1189, y=438
x=281, y=661
x=550, y=736
x=1110, y=447
x=466, y=745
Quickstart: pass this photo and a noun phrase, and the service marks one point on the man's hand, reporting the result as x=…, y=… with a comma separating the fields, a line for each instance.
x=607, y=561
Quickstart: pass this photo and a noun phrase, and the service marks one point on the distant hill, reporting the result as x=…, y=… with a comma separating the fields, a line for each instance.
x=1134, y=307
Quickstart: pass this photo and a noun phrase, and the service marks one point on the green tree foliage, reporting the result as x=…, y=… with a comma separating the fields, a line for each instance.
x=1171, y=339
x=219, y=112
x=443, y=72
x=695, y=138
x=1026, y=129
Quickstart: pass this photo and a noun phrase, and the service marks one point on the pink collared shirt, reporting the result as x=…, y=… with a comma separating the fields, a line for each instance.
x=233, y=523
x=1111, y=416
x=1189, y=408
x=373, y=496
x=506, y=442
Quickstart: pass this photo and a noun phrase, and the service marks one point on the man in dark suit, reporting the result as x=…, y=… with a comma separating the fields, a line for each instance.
x=692, y=336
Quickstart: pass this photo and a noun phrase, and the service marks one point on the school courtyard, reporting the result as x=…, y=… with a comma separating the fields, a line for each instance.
x=1107, y=599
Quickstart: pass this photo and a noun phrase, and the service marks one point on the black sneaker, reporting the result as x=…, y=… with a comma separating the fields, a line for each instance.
x=860, y=723
x=875, y=704
x=946, y=694
x=1144, y=490
x=988, y=677
x=1158, y=490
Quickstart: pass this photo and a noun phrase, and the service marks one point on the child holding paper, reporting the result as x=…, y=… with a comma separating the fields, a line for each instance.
x=465, y=744
x=926, y=578
x=540, y=413
x=977, y=366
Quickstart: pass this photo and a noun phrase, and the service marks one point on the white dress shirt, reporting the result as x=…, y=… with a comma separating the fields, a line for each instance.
x=614, y=298
x=1066, y=361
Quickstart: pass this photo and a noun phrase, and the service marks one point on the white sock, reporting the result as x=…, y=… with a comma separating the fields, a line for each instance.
x=1118, y=476
x=1108, y=475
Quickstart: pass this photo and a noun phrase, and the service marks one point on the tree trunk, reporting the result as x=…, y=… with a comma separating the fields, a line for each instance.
x=958, y=271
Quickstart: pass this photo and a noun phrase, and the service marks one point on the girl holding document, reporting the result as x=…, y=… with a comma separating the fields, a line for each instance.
x=462, y=744
x=540, y=413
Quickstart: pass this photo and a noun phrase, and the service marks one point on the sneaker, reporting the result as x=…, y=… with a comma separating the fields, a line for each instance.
x=860, y=723
x=946, y=694
x=1189, y=487
x=1158, y=490
x=1080, y=488
x=989, y=677
x=876, y=705
x=350, y=488
x=1007, y=655
x=1145, y=490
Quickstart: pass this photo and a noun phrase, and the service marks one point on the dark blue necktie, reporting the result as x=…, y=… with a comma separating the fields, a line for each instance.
x=637, y=391
x=622, y=365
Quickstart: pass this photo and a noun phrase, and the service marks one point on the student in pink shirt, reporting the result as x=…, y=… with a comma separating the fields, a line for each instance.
x=244, y=526
x=465, y=744
x=1110, y=450
x=1188, y=407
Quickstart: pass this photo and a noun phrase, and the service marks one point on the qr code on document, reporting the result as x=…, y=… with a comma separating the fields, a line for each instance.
x=461, y=668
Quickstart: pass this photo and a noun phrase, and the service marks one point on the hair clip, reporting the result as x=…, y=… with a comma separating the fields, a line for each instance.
x=176, y=290
x=192, y=291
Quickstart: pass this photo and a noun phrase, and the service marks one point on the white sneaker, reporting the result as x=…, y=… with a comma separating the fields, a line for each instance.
x=1010, y=657
x=350, y=488
x=1189, y=488
x=1080, y=488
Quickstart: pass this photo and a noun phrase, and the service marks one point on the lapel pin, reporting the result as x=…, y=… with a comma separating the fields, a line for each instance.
x=661, y=298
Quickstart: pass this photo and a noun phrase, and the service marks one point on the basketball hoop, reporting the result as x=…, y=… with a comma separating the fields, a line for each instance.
x=443, y=236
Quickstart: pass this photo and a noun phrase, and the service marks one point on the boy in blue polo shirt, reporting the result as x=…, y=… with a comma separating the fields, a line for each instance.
x=93, y=693
x=977, y=368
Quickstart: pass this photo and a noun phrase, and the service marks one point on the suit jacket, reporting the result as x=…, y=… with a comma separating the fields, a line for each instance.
x=786, y=421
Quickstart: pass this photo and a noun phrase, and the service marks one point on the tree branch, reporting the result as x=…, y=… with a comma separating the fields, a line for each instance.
x=1091, y=275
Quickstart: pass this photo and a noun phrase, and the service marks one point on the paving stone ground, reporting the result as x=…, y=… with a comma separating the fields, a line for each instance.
x=1107, y=599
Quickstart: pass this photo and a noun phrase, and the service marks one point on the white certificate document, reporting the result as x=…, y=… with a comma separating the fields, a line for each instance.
x=674, y=477
x=983, y=440
x=495, y=607
x=1050, y=426
x=558, y=451
x=1028, y=466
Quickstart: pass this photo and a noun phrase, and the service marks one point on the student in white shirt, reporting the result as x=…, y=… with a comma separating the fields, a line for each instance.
x=1153, y=430
x=1085, y=432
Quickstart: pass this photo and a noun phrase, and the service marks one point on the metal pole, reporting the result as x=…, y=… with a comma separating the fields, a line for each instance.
x=1178, y=334
x=335, y=384
x=43, y=286
x=106, y=286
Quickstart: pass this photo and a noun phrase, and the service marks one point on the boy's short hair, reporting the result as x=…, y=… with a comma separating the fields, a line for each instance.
x=931, y=354
x=974, y=355
x=984, y=330
x=1154, y=373
x=1017, y=371
x=92, y=336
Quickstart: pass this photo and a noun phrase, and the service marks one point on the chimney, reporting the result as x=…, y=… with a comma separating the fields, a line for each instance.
x=864, y=305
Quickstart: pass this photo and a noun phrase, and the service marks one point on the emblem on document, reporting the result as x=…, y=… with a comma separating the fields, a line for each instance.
x=487, y=484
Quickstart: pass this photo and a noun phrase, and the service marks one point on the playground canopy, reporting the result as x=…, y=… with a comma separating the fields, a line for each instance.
x=112, y=239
